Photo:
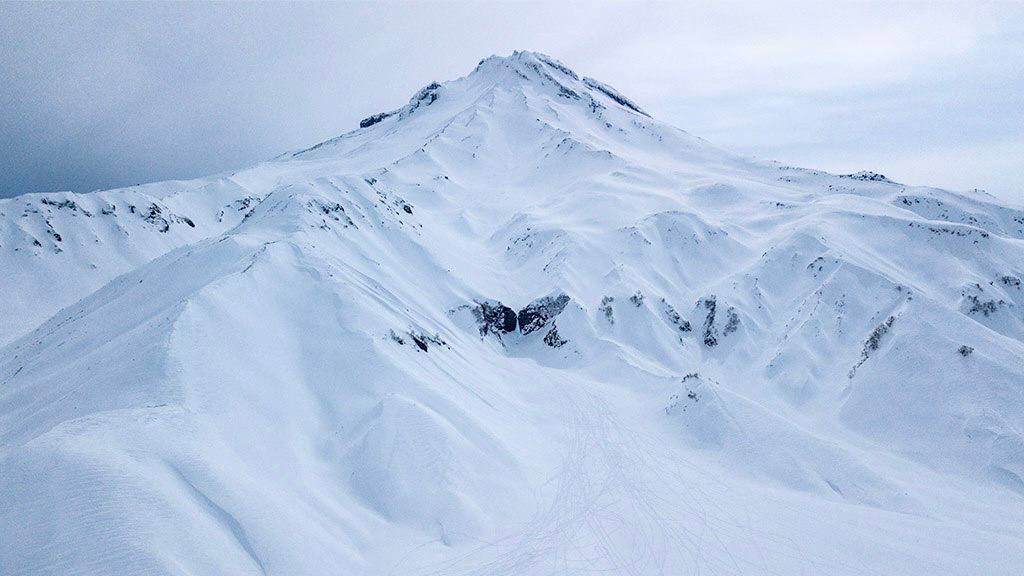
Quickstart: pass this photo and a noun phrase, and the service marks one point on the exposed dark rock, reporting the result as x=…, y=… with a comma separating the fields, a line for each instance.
x=330, y=210
x=64, y=204
x=162, y=220
x=637, y=299
x=53, y=233
x=960, y=231
x=558, y=66
x=676, y=401
x=536, y=315
x=154, y=215
x=875, y=338
x=428, y=94
x=1011, y=281
x=367, y=122
x=248, y=202
x=872, y=343
x=674, y=317
x=494, y=318
x=732, y=321
x=568, y=93
x=606, y=308
x=420, y=341
x=965, y=350
x=866, y=176
x=710, y=332
x=818, y=265
x=553, y=339
x=985, y=307
x=615, y=96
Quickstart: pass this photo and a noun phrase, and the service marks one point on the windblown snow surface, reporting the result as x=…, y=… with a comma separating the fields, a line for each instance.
x=515, y=327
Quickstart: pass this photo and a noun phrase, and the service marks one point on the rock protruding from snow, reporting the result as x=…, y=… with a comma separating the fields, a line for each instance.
x=714, y=327
x=537, y=314
x=493, y=317
x=615, y=95
x=867, y=176
x=374, y=119
x=873, y=342
x=553, y=338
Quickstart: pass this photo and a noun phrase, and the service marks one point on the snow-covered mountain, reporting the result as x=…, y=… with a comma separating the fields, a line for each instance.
x=514, y=327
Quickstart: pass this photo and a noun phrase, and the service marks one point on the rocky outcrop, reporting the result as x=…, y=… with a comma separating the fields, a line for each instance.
x=866, y=176
x=329, y=211
x=637, y=299
x=606, y=309
x=872, y=343
x=710, y=304
x=371, y=120
x=493, y=317
x=1011, y=281
x=674, y=318
x=156, y=216
x=711, y=330
x=553, y=339
x=614, y=95
x=977, y=302
x=537, y=314
x=425, y=97
x=684, y=400
x=422, y=339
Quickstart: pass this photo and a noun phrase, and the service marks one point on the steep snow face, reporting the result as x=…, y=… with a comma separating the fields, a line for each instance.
x=516, y=326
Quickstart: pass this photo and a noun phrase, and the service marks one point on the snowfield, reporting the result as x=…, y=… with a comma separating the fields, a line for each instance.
x=515, y=327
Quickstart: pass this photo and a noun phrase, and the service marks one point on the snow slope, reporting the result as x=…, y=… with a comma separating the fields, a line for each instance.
x=516, y=326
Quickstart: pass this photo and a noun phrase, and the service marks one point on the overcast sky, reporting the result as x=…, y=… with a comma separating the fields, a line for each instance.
x=104, y=95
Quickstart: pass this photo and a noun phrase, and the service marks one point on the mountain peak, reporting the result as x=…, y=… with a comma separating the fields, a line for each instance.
x=527, y=58
x=523, y=68
x=539, y=68
x=514, y=285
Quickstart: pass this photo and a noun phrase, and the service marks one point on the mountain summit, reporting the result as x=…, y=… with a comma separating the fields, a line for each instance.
x=545, y=75
x=516, y=326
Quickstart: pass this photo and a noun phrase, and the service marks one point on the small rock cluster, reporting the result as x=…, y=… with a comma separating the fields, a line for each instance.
x=493, y=317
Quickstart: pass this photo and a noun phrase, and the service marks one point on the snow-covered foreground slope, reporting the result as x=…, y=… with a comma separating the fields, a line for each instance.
x=515, y=327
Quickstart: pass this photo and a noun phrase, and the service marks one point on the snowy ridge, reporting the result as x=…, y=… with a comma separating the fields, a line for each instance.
x=516, y=326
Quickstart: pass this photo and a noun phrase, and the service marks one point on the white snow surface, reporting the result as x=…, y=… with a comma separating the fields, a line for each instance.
x=758, y=369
